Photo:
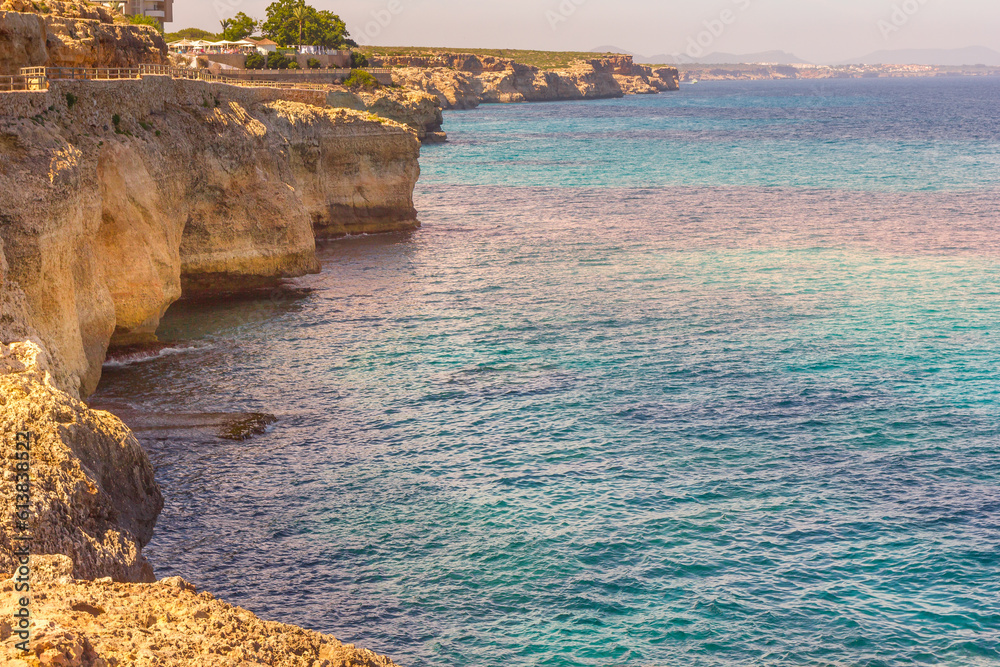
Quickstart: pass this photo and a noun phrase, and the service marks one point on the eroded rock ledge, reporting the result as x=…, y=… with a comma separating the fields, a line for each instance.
x=105, y=624
x=72, y=34
x=115, y=199
x=118, y=196
x=96, y=499
x=464, y=81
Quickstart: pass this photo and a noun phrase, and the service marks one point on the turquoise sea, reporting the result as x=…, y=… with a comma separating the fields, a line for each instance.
x=705, y=378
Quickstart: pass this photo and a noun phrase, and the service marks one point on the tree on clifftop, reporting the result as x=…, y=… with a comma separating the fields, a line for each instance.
x=239, y=27
x=294, y=22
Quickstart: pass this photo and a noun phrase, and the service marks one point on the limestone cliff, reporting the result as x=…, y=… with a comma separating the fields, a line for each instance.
x=117, y=196
x=72, y=34
x=414, y=108
x=452, y=88
x=104, y=624
x=94, y=498
x=642, y=79
x=464, y=81
x=22, y=42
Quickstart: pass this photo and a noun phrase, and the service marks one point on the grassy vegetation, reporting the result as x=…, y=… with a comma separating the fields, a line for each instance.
x=147, y=21
x=540, y=59
x=191, y=34
x=361, y=80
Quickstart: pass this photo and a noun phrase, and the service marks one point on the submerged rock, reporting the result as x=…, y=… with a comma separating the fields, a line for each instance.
x=247, y=426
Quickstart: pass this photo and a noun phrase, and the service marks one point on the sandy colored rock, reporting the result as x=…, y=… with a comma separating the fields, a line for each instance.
x=60, y=8
x=453, y=89
x=93, y=494
x=88, y=43
x=464, y=81
x=22, y=41
x=416, y=109
x=197, y=188
x=93, y=624
x=72, y=34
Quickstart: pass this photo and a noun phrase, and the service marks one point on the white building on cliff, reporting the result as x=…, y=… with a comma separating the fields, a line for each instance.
x=161, y=10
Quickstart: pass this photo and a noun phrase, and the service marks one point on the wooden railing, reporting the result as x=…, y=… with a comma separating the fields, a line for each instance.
x=38, y=78
x=30, y=78
x=12, y=83
x=83, y=73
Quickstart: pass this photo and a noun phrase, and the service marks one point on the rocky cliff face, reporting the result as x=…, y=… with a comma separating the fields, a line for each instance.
x=642, y=79
x=72, y=34
x=22, y=42
x=517, y=83
x=413, y=108
x=94, y=496
x=104, y=624
x=466, y=81
x=118, y=196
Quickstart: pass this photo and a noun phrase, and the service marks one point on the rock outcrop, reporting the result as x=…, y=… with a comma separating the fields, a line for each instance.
x=94, y=498
x=416, y=109
x=642, y=79
x=464, y=81
x=22, y=42
x=120, y=196
x=451, y=88
x=117, y=197
x=413, y=108
x=72, y=34
x=104, y=624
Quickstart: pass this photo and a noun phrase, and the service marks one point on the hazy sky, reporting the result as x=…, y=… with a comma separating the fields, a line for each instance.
x=815, y=30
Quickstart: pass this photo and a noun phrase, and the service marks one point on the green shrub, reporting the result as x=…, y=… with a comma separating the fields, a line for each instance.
x=361, y=80
x=192, y=34
x=146, y=126
x=358, y=60
x=70, y=100
x=314, y=63
x=140, y=19
x=277, y=61
x=294, y=65
x=255, y=61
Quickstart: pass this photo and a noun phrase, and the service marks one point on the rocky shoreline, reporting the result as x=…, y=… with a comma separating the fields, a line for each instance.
x=104, y=623
x=119, y=197
x=464, y=81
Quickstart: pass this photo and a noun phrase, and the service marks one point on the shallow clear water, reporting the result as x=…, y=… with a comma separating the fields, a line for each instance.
x=707, y=378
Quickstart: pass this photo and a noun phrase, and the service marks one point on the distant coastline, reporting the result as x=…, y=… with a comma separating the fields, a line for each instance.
x=772, y=71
